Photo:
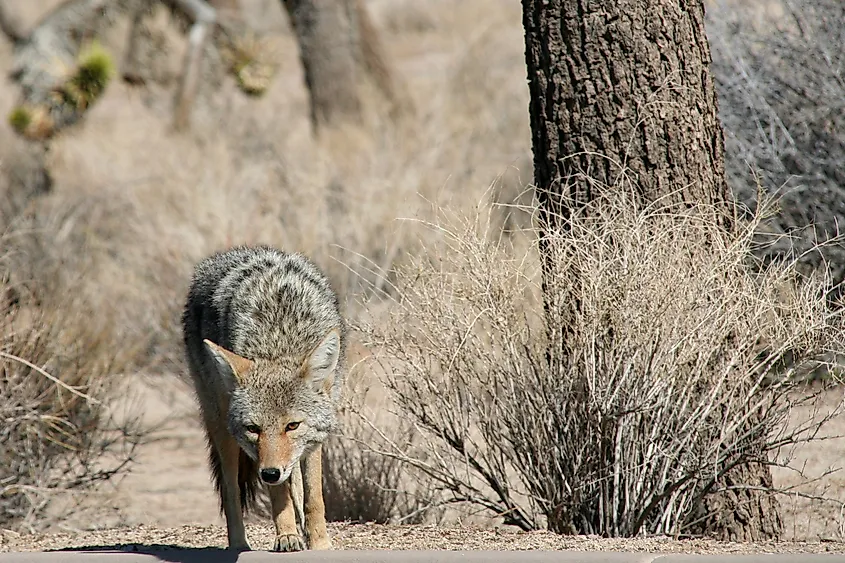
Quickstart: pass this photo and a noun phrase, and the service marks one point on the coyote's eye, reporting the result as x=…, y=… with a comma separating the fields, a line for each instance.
x=253, y=429
x=291, y=426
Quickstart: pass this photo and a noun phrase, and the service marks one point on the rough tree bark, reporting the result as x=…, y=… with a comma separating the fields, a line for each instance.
x=624, y=87
x=340, y=51
x=629, y=80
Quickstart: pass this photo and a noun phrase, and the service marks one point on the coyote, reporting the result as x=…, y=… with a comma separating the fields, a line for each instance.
x=265, y=343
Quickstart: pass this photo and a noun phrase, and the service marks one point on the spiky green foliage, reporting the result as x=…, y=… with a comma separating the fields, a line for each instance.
x=20, y=118
x=254, y=79
x=252, y=63
x=95, y=68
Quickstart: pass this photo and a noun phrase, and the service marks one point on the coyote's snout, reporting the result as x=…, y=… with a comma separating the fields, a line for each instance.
x=265, y=344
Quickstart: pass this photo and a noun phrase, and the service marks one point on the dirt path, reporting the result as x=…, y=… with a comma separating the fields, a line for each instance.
x=169, y=485
x=380, y=537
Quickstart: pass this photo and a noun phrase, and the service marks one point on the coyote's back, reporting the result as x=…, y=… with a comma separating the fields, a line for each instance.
x=265, y=342
x=260, y=302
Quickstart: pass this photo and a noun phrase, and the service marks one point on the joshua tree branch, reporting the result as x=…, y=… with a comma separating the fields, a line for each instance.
x=10, y=26
x=203, y=18
x=47, y=56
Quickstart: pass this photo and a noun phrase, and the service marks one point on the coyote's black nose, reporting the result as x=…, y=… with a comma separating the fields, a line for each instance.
x=270, y=475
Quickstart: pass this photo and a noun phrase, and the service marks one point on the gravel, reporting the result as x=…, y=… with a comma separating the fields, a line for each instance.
x=384, y=537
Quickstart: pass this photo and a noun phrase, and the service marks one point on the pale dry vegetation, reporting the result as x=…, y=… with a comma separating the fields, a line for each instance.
x=361, y=485
x=61, y=361
x=614, y=406
x=780, y=81
x=129, y=206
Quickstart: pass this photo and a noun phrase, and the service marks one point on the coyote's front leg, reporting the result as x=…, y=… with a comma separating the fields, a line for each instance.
x=315, y=509
x=287, y=534
x=228, y=452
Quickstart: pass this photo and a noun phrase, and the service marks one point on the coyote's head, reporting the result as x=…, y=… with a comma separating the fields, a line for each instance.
x=282, y=408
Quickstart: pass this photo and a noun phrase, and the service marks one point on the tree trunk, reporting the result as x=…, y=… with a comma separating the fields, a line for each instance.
x=621, y=89
x=735, y=512
x=341, y=52
x=614, y=85
x=323, y=31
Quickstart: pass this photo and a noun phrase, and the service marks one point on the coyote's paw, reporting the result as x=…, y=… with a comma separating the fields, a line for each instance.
x=320, y=543
x=289, y=543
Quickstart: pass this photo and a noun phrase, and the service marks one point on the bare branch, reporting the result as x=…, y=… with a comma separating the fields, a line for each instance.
x=204, y=18
x=9, y=25
x=52, y=378
x=131, y=68
x=197, y=11
x=58, y=433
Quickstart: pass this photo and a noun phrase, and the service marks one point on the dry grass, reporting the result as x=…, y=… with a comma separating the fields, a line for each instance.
x=361, y=485
x=655, y=368
x=166, y=201
x=60, y=362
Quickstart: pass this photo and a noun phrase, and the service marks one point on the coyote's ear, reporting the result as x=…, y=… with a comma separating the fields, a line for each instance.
x=229, y=361
x=321, y=363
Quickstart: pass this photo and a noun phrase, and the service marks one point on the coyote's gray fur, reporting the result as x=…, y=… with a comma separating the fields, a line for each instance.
x=265, y=342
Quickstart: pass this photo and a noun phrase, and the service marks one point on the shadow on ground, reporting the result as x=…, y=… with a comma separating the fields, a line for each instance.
x=163, y=552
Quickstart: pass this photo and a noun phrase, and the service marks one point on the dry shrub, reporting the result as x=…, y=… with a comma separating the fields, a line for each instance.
x=779, y=78
x=359, y=485
x=653, y=370
x=59, y=357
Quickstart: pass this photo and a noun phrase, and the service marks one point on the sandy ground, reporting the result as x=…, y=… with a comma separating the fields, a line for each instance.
x=167, y=500
x=378, y=537
x=170, y=485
